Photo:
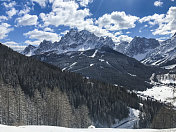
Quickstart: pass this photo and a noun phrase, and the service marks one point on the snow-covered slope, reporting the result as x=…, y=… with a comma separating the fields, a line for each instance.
x=164, y=89
x=73, y=41
x=4, y=128
x=162, y=55
x=138, y=48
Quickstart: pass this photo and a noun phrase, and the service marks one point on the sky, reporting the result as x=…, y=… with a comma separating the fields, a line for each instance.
x=24, y=22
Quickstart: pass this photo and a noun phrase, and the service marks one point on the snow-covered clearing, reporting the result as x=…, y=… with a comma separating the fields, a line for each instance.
x=61, y=129
x=161, y=93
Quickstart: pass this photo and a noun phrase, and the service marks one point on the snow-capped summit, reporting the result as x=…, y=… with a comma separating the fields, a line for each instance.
x=28, y=51
x=164, y=54
x=138, y=47
x=82, y=40
x=74, y=40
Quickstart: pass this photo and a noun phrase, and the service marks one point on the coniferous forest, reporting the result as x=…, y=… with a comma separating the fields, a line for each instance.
x=36, y=93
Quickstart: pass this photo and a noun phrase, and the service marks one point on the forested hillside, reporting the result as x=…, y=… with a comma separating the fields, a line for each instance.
x=33, y=92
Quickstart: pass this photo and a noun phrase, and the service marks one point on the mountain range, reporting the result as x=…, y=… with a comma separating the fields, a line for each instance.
x=72, y=41
x=148, y=51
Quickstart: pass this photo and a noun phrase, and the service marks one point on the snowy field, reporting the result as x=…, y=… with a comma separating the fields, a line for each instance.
x=60, y=129
x=161, y=93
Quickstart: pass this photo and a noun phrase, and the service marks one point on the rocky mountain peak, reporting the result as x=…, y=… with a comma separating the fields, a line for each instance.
x=45, y=44
x=141, y=45
x=75, y=40
x=28, y=50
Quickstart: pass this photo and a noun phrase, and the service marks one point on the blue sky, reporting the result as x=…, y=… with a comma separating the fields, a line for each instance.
x=24, y=22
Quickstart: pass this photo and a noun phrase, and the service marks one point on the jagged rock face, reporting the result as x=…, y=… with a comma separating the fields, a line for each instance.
x=28, y=51
x=74, y=41
x=43, y=47
x=141, y=45
x=138, y=47
x=81, y=41
x=122, y=47
x=163, y=55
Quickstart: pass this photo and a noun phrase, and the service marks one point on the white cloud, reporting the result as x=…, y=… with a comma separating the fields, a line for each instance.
x=5, y=28
x=42, y=35
x=35, y=43
x=85, y=2
x=69, y=13
x=65, y=13
x=117, y=33
x=124, y=38
x=27, y=20
x=10, y=4
x=166, y=22
x=158, y=3
x=65, y=32
x=47, y=29
x=117, y=21
x=26, y=10
x=11, y=12
x=2, y=18
x=153, y=20
x=42, y=3
x=15, y=46
x=128, y=32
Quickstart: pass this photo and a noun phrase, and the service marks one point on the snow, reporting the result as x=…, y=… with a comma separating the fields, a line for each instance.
x=152, y=79
x=101, y=60
x=4, y=128
x=132, y=75
x=161, y=93
x=64, y=69
x=163, y=53
x=167, y=78
x=168, y=81
x=170, y=67
x=94, y=54
x=72, y=65
x=107, y=63
x=91, y=65
x=30, y=53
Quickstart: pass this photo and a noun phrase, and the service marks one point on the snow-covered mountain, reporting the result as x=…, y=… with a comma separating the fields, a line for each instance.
x=28, y=51
x=138, y=47
x=73, y=41
x=163, y=55
x=83, y=40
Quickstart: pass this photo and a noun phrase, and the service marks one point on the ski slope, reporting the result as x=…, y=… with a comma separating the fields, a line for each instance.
x=4, y=128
